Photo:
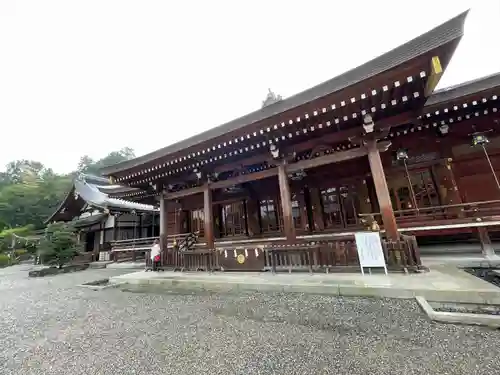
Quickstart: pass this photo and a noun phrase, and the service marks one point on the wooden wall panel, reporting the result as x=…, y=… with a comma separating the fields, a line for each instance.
x=479, y=187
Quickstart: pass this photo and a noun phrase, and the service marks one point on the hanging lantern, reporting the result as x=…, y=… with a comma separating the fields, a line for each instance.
x=368, y=124
x=444, y=129
x=198, y=174
x=402, y=154
x=479, y=139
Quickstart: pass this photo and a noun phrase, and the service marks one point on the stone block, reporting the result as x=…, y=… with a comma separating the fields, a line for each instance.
x=457, y=317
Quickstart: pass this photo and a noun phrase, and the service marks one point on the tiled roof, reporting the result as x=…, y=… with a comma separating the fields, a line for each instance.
x=85, y=190
x=464, y=89
x=92, y=194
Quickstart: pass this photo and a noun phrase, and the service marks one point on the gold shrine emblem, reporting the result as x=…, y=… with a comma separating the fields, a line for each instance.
x=240, y=258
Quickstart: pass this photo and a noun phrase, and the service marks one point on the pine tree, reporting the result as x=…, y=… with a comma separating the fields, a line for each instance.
x=59, y=245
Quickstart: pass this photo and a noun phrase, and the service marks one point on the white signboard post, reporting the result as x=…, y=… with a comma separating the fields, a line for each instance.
x=370, y=252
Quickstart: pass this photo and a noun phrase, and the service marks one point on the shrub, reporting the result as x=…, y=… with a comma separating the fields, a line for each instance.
x=6, y=237
x=20, y=252
x=59, y=245
x=4, y=260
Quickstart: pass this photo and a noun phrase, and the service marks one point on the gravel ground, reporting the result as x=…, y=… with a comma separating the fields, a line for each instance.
x=49, y=326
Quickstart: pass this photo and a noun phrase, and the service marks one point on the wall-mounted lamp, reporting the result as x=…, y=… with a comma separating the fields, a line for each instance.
x=368, y=124
x=401, y=154
x=275, y=152
x=197, y=172
x=444, y=129
x=479, y=139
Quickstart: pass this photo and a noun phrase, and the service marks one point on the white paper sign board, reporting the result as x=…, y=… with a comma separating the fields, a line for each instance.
x=370, y=252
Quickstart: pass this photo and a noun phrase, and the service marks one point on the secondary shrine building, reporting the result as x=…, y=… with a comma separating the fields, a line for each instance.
x=373, y=143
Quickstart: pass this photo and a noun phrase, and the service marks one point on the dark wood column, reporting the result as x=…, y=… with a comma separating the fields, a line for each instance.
x=208, y=213
x=286, y=204
x=304, y=217
x=447, y=186
x=138, y=233
x=317, y=214
x=252, y=205
x=365, y=206
x=383, y=197
x=163, y=223
x=115, y=226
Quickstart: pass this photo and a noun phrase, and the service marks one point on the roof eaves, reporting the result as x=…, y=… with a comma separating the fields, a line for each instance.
x=440, y=35
x=61, y=206
x=464, y=89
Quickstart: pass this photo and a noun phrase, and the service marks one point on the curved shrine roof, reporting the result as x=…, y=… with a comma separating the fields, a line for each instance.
x=443, y=34
x=94, y=191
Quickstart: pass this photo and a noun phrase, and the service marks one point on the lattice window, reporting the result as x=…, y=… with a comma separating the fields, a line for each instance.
x=269, y=215
x=233, y=219
x=197, y=221
x=340, y=206
x=296, y=214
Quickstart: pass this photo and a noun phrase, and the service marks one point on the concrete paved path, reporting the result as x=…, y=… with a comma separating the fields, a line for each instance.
x=442, y=283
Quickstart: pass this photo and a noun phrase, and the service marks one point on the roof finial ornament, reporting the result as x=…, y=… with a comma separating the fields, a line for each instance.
x=271, y=98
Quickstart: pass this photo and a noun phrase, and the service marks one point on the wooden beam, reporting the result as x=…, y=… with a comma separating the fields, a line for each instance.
x=336, y=157
x=208, y=217
x=183, y=193
x=223, y=184
x=434, y=77
x=256, y=159
x=163, y=223
x=383, y=196
x=331, y=138
x=244, y=178
x=286, y=204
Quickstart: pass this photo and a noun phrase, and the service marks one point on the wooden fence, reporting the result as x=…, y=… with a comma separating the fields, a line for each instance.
x=319, y=256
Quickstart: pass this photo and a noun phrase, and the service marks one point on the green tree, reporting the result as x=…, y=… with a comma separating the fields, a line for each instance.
x=7, y=240
x=89, y=166
x=30, y=192
x=59, y=245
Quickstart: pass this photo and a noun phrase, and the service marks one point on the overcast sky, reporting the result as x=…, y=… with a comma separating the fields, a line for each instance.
x=92, y=76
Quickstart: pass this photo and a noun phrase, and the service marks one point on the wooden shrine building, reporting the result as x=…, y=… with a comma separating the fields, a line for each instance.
x=373, y=143
x=100, y=214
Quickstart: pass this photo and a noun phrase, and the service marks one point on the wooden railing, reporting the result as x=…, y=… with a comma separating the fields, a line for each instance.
x=322, y=256
x=175, y=255
x=138, y=247
x=452, y=211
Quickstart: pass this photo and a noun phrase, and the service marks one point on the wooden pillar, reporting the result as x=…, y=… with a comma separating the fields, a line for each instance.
x=286, y=204
x=208, y=219
x=365, y=206
x=182, y=221
x=447, y=187
x=163, y=223
x=139, y=227
x=115, y=226
x=252, y=206
x=317, y=215
x=383, y=197
x=304, y=217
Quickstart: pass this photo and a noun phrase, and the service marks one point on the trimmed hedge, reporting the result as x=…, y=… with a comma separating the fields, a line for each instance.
x=4, y=260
